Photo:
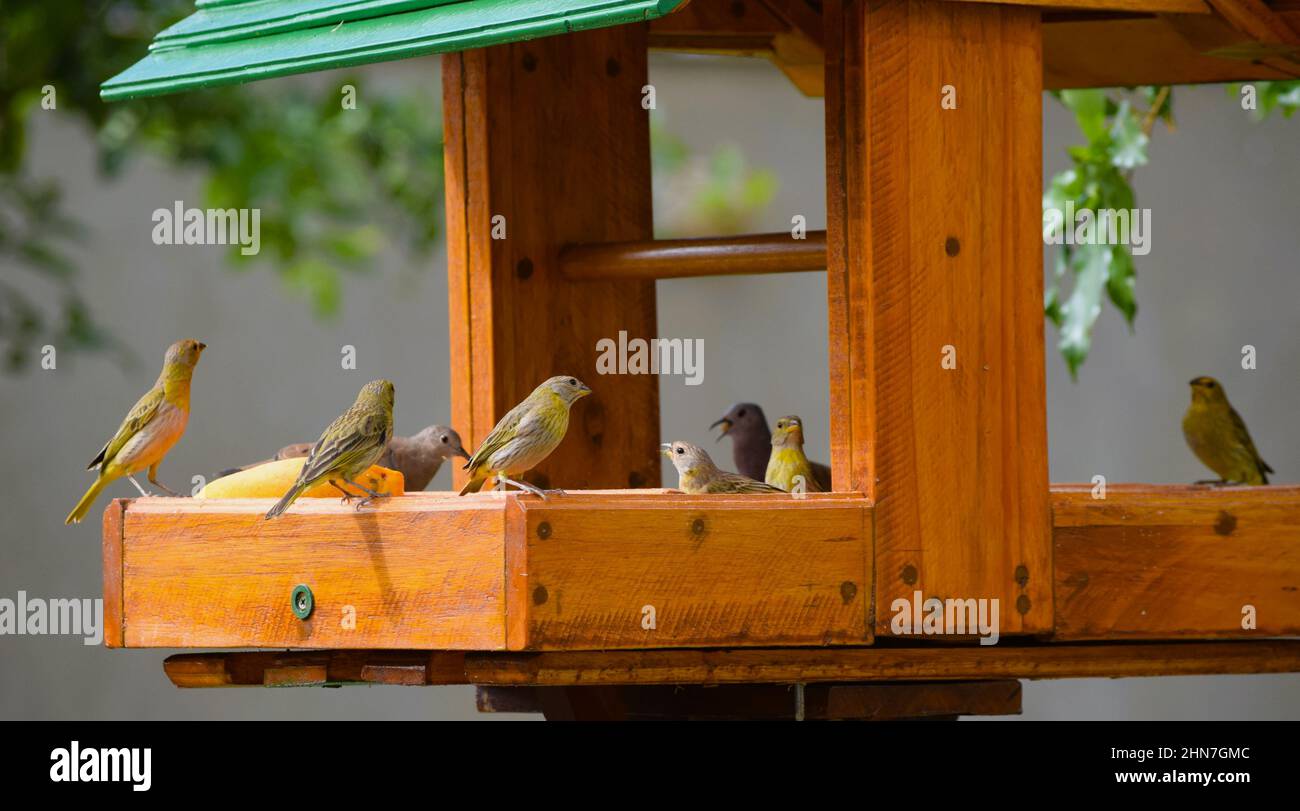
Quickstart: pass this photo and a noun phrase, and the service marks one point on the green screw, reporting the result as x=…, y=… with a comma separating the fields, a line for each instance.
x=302, y=601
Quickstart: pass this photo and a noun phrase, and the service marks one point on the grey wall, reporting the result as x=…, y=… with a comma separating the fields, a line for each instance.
x=1222, y=274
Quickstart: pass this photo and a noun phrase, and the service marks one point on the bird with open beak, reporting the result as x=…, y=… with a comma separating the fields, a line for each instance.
x=751, y=443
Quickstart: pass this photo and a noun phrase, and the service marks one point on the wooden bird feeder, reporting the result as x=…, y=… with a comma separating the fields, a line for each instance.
x=587, y=605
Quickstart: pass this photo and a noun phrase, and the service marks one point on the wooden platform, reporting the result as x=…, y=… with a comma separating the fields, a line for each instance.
x=650, y=569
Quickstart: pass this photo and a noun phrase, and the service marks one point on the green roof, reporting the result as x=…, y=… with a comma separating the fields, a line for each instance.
x=233, y=41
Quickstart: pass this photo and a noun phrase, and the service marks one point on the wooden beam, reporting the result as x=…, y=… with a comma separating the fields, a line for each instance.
x=1168, y=561
x=546, y=145
x=887, y=663
x=938, y=395
x=883, y=663
x=770, y=702
x=680, y=258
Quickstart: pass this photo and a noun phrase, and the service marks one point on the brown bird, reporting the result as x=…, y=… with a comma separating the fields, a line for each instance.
x=751, y=443
x=418, y=458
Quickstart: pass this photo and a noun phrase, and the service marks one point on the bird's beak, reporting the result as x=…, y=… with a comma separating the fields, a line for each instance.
x=726, y=426
x=666, y=449
x=1192, y=382
x=202, y=346
x=460, y=451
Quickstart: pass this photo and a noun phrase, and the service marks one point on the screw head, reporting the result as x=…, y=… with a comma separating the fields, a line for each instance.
x=909, y=575
x=544, y=530
x=301, y=601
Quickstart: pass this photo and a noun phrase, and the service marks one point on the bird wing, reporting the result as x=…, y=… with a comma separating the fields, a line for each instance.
x=736, y=483
x=1239, y=428
x=501, y=434
x=342, y=448
x=140, y=415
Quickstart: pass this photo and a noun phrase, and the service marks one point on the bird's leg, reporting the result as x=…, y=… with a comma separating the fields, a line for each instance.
x=153, y=479
x=537, y=491
x=143, y=491
x=347, y=497
x=1213, y=482
x=372, y=494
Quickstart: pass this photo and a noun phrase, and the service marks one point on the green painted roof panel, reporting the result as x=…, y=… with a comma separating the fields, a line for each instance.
x=233, y=41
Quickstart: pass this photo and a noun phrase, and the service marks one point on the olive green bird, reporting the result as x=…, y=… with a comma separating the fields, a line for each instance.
x=349, y=446
x=153, y=426
x=525, y=436
x=1217, y=435
x=787, y=467
x=697, y=474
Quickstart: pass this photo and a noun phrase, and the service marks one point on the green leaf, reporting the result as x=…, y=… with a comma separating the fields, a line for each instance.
x=1130, y=142
x=1080, y=311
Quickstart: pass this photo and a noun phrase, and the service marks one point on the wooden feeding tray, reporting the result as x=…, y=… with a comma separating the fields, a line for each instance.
x=932, y=243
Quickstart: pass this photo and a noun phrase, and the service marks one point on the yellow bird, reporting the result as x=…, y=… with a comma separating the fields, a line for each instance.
x=1217, y=435
x=154, y=425
x=348, y=447
x=697, y=474
x=525, y=436
x=787, y=462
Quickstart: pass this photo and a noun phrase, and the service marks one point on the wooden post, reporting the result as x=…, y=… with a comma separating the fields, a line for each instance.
x=547, y=144
x=933, y=128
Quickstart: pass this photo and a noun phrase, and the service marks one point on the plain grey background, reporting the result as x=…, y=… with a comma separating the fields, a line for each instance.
x=1222, y=273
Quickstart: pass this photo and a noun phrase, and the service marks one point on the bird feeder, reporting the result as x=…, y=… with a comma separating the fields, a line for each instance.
x=941, y=482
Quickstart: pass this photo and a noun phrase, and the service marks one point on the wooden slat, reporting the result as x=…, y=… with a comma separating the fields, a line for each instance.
x=883, y=663
x=933, y=220
x=771, y=702
x=886, y=663
x=315, y=668
x=551, y=135
x=1168, y=561
x=1146, y=42
x=419, y=572
x=679, y=258
x=112, y=556
x=714, y=570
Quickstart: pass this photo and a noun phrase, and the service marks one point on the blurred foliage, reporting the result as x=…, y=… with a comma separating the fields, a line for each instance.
x=335, y=186
x=1117, y=124
x=705, y=195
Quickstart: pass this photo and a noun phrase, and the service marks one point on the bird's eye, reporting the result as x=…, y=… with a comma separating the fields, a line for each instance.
x=740, y=413
x=573, y=381
x=680, y=450
x=444, y=438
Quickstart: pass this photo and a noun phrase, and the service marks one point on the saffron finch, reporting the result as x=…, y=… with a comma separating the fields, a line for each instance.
x=788, y=464
x=525, y=436
x=154, y=425
x=349, y=446
x=1217, y=435
x=697, y=474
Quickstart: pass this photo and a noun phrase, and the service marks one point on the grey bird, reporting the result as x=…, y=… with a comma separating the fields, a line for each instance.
x=751, y=443
x=418, y=457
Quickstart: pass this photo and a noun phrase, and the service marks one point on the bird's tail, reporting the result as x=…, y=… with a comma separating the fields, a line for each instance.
x=289, y=498
x=475, y=484
x=83, y=506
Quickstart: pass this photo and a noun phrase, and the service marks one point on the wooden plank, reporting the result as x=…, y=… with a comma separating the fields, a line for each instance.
x=314, y=668
x=933, y=247
x=1167, y=561
x=682, y=258
x=551, y=136
x=419, y=572
x=1148, y=42
x=885, y=663
x=697, y=570
x=770, y=702
x=112, y=557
